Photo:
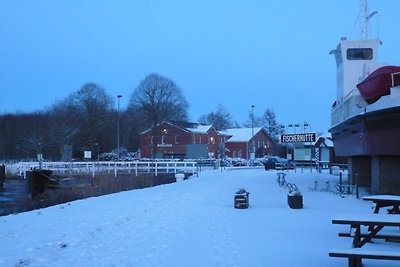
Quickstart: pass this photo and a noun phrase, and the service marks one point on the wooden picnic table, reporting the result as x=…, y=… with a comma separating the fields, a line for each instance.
x=381, y=201
x=374, y=224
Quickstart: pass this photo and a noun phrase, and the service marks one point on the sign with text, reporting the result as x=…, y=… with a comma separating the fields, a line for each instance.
x=295, y=138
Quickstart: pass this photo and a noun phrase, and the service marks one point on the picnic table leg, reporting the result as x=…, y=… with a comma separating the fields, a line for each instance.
x=370, y=235
x=355, y=262
x=376, y=211
x=357, y=236
x=377, y=207
x=395, y=209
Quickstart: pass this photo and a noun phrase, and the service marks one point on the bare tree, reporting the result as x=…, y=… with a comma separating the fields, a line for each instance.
x=269, y=122
x=84, y=119
x=32, y=138
x=221, y=119
x=8, y=136
x=24, y=135
x=253, y=121
x=134, y=124
x=158, y=99
x=63, y=127
x=91, y=109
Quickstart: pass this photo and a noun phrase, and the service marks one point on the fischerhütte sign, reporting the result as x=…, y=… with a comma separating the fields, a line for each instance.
x=293, y=138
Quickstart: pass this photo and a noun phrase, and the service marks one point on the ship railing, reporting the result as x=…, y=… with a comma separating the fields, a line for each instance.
x=395, y=79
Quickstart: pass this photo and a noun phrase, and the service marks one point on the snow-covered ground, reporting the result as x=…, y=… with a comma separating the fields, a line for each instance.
x=189, y=223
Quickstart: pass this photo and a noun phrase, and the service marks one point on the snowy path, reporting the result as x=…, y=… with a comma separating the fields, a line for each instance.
x=190, y=223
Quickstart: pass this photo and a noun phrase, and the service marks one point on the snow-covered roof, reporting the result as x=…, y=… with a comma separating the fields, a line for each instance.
x=200, y=128
x=326, y=139
x=188, y=127
x=241, y=134
x=324, y=135
x=328, y=142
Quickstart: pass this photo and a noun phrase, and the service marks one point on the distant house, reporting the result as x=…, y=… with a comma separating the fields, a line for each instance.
x=190, y=140
x=181, y=140
x=242, y=141
x=325, y=152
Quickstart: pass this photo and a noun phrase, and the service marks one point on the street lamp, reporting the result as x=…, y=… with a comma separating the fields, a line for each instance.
x=306, y=124
x=296, y=125
x=119, y=97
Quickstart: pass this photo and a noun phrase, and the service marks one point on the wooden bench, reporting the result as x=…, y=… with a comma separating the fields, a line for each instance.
x=381, y=201
x=355, y=255
x=374, y=222
x=384, y=235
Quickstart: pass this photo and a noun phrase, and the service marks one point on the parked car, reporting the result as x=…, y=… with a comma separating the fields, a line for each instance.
x=284, y=164
x=278, y=163
x=237, y=162
x=269, y=163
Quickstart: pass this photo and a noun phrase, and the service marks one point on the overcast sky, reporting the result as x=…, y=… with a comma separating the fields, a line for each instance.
x=271, y=54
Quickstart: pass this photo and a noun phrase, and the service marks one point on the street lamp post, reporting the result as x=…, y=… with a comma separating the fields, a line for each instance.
x=252, y=120
x=252, y=134
x=119, y=97
x=306, y=124
x=98, y=151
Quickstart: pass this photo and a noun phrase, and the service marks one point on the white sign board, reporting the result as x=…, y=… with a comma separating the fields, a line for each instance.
x=295, y=138
x=302, y=154
x=87, y=154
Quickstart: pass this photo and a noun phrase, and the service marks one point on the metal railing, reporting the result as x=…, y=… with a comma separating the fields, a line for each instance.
x=108, y=167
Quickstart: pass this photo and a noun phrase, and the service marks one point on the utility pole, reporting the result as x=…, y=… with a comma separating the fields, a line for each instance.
x=119, y=97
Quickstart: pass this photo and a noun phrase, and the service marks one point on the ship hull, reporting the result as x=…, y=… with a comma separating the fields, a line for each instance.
x=374, y=133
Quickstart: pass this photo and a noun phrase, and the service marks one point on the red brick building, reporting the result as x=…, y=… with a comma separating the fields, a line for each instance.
x=189, y=140
x=242, y=140
x=181, y=140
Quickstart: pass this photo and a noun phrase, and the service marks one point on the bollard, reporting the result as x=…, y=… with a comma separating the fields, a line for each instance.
x=2, y=176
x=357, y=195
x=179, y=177
x=348, y=186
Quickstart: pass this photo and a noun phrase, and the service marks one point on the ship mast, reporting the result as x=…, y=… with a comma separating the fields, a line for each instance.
x=364, y=20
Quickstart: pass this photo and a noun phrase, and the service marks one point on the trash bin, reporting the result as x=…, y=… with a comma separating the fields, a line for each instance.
x=295, y=201
x=241, y=200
